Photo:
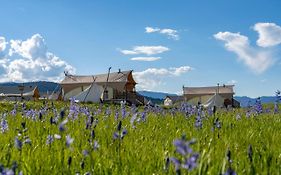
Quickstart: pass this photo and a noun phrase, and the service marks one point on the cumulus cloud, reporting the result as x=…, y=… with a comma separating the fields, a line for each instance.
x=30, y=60
x=151, y=78
x=171, y=33
x=148, y=50
x=256, y=58
x=145, y=58
x=2, y=44
x=269, y=34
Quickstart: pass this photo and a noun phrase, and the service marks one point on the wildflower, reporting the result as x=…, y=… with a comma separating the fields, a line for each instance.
x=4, y=126
x=96, y=145
x=18, y=143
x=62, y=125
x=57, y=136
x=230, y=171
x=123, y=133
x=27, y=141
x=133, y=119
x=190, y=163
x=50, y=139
x=115, y=135
x=198, y=122
x=69, y=140
x=85, y=152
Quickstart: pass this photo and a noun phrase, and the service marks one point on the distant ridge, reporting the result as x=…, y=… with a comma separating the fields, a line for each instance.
x=156, y=95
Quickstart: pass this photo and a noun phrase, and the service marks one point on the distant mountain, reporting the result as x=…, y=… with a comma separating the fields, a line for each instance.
x=43, y=86
x=156, y=95
x=245, y=101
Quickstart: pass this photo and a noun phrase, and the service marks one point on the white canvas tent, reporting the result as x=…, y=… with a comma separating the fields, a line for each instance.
x=91, y=94
x=215, y=100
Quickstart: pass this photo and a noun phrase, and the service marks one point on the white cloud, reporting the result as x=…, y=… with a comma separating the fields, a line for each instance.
x=30, y=60
x=257, y=59
x=269, y=34
x=171, y=33
x=152, y=78
x=2, y=44
x=145, y=58
x=232, y=82
x=151, y=30
x=148, y=50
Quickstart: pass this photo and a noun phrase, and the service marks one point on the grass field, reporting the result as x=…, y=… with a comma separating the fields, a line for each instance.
x=69, y=138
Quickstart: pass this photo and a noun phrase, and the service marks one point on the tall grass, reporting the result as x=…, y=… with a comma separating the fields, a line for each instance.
x=145, y=148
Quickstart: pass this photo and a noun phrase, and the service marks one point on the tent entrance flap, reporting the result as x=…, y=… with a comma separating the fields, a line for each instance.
x=91, y=94
x=215, y=100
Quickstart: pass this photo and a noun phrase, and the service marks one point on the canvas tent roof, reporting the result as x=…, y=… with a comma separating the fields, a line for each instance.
x=227, y=89
x=117, y=80
x=14, y=91
x=175, y=98
x=115, y=77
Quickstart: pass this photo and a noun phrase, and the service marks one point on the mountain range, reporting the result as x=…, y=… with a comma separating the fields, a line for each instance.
x=158, y=97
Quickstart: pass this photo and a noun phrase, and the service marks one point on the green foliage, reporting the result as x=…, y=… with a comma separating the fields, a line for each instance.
x=144, y=149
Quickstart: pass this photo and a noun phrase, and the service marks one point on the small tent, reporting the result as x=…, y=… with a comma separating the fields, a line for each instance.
x=215, y=100
x=91, y=94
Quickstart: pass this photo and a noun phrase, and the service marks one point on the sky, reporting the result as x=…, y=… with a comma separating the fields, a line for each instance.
x=168, y=44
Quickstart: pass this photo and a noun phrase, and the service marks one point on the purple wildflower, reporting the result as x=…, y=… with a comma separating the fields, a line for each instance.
x=57, y=136
x=69, y=140
x=50, y=139
x=230, y=171
x=62, y=125
x=4, y=126
x=190, y=163
x=18, y=143
x=96, y=145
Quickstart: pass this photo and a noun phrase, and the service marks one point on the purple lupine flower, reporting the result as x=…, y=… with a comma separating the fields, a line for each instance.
x=182, y=147
x=143, y=116
x=69, y=140
x=198, y=122
x=14, y=112
x=4, y=126
x=230, y=171
x=123, y=133
x=115, y=135
x=50, y=139
x=134, y=117
x=116, y=115
x=62, y=125
x=18, y=143
x=27, y=141
x=191, y=162
x=258, y=106
x=96, y=145
x=85, y=153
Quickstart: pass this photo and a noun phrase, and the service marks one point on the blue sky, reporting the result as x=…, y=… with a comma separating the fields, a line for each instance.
x=192, y=43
